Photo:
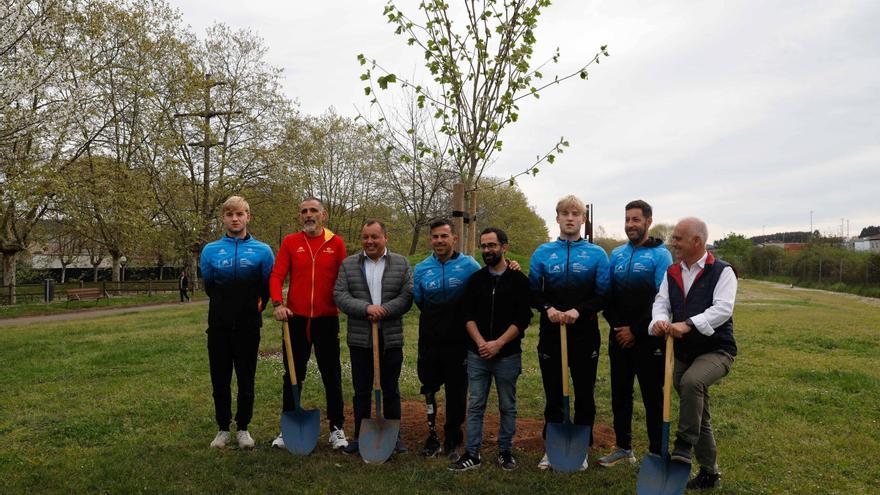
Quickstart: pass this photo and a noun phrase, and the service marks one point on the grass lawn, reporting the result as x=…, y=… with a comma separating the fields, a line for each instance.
x=121, y=404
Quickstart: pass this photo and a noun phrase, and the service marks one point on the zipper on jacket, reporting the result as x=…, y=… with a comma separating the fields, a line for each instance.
x=314, y=257
x=492, y=307
x=443, y=281
x=567, y=260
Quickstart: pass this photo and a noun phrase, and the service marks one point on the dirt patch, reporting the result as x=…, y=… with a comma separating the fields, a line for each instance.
x=414, y=429
x=272, y=352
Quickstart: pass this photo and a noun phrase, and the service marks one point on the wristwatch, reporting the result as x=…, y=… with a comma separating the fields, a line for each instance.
x=275, y=304
x=690, y=323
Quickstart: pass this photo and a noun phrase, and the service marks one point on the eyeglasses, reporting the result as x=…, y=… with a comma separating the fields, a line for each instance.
x=490, y=246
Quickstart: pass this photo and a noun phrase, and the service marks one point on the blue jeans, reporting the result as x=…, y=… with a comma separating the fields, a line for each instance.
x=505, y=370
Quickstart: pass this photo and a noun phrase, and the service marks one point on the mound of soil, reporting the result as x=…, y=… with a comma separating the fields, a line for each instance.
x=414, y=429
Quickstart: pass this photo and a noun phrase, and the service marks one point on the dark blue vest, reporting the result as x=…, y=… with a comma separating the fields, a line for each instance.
x=698, y=300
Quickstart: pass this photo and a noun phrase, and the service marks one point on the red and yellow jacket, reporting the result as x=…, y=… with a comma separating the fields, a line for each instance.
x=312, y=274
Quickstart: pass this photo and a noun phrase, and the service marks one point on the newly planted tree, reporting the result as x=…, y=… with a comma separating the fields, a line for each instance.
x=479, y=57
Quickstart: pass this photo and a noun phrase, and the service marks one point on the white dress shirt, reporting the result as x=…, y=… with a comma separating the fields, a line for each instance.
x=715, y=315
x=373, y=271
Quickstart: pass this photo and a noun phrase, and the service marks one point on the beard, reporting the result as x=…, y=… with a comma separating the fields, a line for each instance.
x=490, y=258
x=635, y=234
x=311, y=228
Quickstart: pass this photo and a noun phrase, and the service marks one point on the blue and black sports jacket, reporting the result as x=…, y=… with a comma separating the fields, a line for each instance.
x=437, y=291
x=569, y=274
x=236, y=276
x=636, y=275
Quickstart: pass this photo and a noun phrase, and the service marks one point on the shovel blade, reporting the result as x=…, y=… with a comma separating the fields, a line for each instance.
x=662, y=476
x=377, y=439
x=300, y=429
x=567, y=446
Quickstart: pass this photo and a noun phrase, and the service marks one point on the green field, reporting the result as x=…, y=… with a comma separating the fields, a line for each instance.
x=121, y=404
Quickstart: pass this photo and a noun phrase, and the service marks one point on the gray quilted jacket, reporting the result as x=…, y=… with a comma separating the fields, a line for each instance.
x=352, y=295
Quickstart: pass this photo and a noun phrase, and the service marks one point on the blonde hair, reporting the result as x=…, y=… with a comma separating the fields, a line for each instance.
x=571, y=202
x=234, y=203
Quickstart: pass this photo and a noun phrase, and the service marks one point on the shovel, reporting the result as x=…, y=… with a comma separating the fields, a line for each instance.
x=566, y=443
x=659, y=475
x=378, y=435
x=300, y=427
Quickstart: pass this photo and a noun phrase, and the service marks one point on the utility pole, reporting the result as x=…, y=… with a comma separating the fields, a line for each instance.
x=206, y=143
x=811, y=225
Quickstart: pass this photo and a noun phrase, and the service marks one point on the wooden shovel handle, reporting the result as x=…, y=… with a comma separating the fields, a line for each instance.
x=376, y=382
x=563, y=343
x=667, y=379
x=289, y=350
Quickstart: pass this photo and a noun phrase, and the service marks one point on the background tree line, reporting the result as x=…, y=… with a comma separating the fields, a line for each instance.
x=821, y=263
x=96, y=161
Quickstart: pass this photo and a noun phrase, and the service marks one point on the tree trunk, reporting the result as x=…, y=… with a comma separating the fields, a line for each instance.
x=194, y=269
x=9, y=274
x=63, y=272
x=417, y=229
x=117, y=265
x=95, y=273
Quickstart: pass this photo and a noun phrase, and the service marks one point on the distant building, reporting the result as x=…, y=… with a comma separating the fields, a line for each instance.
x=870, y=244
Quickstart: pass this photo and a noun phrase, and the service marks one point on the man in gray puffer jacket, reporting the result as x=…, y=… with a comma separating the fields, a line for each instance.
x=374, y=285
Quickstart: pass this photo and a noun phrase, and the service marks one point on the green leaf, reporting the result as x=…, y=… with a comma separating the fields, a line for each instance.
x=367, y=91
x=362, y=59
x=365, y=76
x=584, y=74
x=551, y=158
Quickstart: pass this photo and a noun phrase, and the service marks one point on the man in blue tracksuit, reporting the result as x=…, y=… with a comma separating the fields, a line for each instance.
x=637, y=270
x=438, y=284
x=235, y=270
x=569, y=280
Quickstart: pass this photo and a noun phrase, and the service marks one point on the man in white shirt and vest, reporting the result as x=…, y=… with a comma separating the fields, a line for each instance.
x=695, y=306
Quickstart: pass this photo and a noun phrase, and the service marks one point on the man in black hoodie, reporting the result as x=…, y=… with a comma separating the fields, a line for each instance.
x=637, y=270
x=496, y=311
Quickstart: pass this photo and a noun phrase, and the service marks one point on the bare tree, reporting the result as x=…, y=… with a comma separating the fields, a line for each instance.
x=415, y=163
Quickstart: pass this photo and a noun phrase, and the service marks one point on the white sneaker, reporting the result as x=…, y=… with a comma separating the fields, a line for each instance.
x=244, y=439
x=337, y=439
x=585, y=465
x=278, y=443
x=221, y=440
x=545, y=463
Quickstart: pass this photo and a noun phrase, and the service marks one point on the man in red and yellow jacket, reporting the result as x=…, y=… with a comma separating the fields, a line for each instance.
x=311, y=257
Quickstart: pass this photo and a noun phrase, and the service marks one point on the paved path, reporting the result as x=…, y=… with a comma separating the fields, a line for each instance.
x=92, y=313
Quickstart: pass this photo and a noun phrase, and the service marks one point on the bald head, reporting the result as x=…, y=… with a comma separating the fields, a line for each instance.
x=689, y=239
x=695, y=227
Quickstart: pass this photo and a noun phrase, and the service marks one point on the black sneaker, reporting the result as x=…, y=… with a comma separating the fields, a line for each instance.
x=451, y=450
x=432, y=445
x=704, y=480
x=400, y=448
x=465, y=463
x=351, y=448
x=506, y=460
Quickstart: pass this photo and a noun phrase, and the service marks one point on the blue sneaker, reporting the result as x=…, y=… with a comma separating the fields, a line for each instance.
x=616, y=457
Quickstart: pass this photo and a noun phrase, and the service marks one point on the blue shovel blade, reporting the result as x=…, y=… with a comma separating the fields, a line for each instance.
x=300, y=429
x=377, y=439
x=567, y=445
x=662, y=476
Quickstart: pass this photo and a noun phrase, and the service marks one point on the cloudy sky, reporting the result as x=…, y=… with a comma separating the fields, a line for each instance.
x=748, y=114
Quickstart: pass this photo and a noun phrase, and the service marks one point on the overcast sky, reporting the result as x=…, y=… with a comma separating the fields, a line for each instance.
x=747, y=114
